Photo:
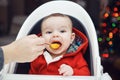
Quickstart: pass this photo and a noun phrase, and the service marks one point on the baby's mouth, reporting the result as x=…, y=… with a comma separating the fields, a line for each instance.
x=55, y=45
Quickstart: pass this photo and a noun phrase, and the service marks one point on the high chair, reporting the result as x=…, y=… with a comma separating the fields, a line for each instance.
x=81, y=21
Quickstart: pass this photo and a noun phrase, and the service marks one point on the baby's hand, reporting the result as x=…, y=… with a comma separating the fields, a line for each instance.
x=65, y=70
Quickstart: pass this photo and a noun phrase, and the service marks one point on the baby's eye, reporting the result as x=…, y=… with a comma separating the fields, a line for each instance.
x=48, y=32
x=63, y=31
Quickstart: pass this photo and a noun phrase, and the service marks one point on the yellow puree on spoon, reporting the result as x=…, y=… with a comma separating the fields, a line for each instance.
x=55, y=46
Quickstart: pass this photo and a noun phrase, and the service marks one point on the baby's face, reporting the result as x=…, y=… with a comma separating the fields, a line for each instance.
x=58, y=30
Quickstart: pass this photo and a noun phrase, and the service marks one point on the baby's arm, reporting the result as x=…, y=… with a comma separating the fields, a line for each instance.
x=80, y=68
x=65, y=70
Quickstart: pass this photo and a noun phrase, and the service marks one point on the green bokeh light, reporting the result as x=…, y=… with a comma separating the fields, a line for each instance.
x=100, y=39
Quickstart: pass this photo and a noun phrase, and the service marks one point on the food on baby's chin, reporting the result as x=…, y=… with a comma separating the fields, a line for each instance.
x=55, y=45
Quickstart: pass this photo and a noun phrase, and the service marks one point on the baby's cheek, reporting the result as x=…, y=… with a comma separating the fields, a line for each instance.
x=67, y=41
x=47, y=40
x=67, y=44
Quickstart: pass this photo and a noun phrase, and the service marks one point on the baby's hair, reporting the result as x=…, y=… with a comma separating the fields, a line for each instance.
x=56, y=15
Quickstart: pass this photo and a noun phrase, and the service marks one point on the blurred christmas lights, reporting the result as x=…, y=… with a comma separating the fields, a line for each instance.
x=110, y=29
x=110, y=35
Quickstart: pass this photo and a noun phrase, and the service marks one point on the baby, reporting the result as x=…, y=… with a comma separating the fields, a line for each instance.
x=57, y=58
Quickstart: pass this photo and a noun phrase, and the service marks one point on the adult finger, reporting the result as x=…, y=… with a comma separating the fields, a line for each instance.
x=33, y=36
x=39, y=41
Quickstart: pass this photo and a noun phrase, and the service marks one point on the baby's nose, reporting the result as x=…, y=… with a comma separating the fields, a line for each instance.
x=55, y=34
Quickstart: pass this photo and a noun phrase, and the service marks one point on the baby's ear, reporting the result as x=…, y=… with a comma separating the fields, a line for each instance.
x=72, y=37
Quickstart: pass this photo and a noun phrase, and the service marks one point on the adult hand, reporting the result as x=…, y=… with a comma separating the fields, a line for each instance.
x=65, y=70
x=25, y=49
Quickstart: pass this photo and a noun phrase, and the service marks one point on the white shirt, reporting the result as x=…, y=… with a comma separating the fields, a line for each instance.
x=49, y=58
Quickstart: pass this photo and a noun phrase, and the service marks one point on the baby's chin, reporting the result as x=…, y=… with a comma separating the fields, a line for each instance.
x=57, y=52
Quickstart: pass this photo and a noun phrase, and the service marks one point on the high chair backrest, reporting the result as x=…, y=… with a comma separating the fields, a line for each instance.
x=77, y=12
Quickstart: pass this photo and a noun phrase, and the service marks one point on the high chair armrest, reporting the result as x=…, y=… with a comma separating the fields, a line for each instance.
x=105, y=76
x=45, y=77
